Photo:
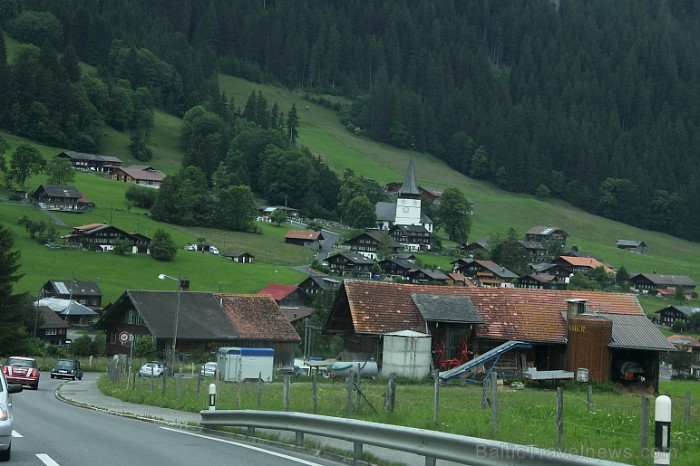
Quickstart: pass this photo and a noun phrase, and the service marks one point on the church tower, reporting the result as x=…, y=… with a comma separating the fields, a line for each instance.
x=408, y=203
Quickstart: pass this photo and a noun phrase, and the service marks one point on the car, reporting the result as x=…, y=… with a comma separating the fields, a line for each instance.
x=6, y=416
x=213, y=250
x=190, y=247
x=152, y=369
x=21, y=370
x=66, y=368
x=208, y=369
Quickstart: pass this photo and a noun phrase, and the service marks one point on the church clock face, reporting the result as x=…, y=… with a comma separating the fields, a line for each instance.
x=405, y=209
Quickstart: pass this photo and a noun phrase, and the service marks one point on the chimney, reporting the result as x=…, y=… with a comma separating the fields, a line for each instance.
x=575, y=307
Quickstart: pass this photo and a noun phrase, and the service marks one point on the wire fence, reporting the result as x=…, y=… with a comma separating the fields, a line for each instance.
x=576, y=419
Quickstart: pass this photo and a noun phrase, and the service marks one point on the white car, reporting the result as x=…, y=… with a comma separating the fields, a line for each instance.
x=190, y=247
x=208, y=369
x=152, y=369
x=6, y=416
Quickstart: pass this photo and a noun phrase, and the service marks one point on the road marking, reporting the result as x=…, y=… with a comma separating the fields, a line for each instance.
x=16, y=434
x=46, y=459
x=243, y=445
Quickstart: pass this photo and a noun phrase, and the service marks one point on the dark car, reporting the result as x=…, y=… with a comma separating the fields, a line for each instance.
x=67, y=369
x=21, y=370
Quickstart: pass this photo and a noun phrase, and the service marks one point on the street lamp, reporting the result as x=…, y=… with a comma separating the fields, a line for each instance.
x=162, y=276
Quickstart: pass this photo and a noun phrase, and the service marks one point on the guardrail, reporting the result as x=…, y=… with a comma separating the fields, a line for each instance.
x=426, y=443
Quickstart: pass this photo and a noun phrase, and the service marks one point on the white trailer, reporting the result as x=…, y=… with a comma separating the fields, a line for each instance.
x=245, y=364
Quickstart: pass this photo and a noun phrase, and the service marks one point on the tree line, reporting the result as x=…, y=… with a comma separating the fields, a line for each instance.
x=606, y=118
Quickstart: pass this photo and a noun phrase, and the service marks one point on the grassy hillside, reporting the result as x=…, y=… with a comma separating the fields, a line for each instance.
x=495, y=211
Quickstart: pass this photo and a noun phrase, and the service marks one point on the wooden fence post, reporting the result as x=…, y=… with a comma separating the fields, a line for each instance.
x=590, y=398
x=687, y=406
x=390, y=394
x=436, y=397
x=494, y=401
x=286, y=392
x=315, y=391
x=260, y=387
x=349, y=388
x=644, y=428
x=560, y=416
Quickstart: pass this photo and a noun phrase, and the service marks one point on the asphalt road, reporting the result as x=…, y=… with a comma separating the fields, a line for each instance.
x=53, y=433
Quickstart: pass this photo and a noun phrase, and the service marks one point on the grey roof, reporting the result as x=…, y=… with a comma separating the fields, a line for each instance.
x=660, y=279
x=687, y=310
x=498, y=269
x=77, y=309
x=629, y=243
x=636, y=332
x=98, y=158
x=200, y=317
x=77, y=287
x=54, y=190
x=447, y=308
x=432, y=274
x=409, y=186
x=531, y=244
x=403, y=263
x=545, y=230
x=355, y=257
x=324, y=282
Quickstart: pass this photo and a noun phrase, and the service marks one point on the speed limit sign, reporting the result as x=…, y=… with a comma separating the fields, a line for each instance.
x=124, y=337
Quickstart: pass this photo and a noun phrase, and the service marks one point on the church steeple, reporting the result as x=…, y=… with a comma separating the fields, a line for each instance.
x=409, y=188
x=408, y=203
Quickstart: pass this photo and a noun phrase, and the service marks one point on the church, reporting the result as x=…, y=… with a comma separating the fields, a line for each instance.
x=406, y=222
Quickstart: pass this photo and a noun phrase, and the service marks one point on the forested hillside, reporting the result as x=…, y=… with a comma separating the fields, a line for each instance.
x=595, y=102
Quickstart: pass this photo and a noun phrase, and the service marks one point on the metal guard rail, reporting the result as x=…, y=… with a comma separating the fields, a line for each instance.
x=427, y=443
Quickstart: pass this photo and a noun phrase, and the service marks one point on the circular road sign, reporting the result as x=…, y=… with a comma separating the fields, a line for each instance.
x=124, y=336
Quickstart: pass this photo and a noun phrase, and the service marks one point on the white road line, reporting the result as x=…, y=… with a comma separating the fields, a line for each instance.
x=46, y=459
x=16, y=434
x=243, y=445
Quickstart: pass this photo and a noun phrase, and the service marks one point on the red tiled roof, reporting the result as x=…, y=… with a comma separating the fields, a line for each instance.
x=508, y=313
x=586, y=262
x=257, y=317
x=277, y=291
x=308, y=235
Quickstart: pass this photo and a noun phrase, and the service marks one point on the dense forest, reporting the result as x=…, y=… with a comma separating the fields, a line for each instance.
x=594, y=102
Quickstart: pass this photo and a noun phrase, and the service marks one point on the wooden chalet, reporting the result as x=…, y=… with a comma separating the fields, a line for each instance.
x=141, y=175
x=60, y=198
x=464, y=321
x=241, y=257
x=412, y=237
x=483, y=272
x=369, y=242
x=91, y=162
x=662, y=285
x=102, y=237
x=291, y=299
x=546, y=234
x=631, y=245
x=206, y=322
x=307, y=238
x=567, y=265
x=350, y=264
x=670, y=314
x=315, y=284
x=85, y=292
x=541, y=281
x=50, y=328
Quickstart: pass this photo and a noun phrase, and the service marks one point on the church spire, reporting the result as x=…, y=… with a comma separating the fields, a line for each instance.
x=409, y=188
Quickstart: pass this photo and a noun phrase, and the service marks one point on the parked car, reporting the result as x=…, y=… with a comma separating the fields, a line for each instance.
x=21, y=370
x=208, y=369
x=67, y=369
x=213, y=250
x=190, y=247
x=6, y=416
x=152, y=369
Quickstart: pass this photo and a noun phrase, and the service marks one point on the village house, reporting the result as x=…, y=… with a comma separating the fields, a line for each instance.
x=91, y=162
x=631, y=245
x=407, y=210
x=670, y=314
x=369, y=242
x=350, y=264
x=412, y=237
x=315, y=284
x=662, y=285
x=546, y=235
x=141, y=175
x=60, y=198
x=571, y=265
x=563, y=330
x=542, y=281
x=241, y=257
x=206, y=322
x=49, y=327
x=307, y=238
x=484, y=272
x=85, y=292
x=291, y=299
x=102, y=237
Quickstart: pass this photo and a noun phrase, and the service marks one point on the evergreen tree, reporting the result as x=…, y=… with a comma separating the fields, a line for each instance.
x=293, y=124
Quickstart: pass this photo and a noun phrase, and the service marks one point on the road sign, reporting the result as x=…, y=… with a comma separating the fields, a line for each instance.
x=124, y=336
